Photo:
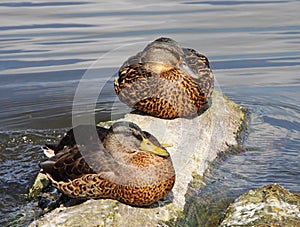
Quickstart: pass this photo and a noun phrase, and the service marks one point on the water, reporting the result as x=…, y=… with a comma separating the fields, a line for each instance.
x=46, y=47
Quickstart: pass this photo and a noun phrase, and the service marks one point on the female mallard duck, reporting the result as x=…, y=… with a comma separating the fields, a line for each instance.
x=122, y=163
x=166, y=81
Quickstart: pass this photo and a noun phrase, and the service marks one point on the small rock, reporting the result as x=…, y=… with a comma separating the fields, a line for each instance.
x=41, y=182
x=271, y=205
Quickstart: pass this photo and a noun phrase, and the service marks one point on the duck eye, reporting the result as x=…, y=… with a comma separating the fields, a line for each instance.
x=138, y=136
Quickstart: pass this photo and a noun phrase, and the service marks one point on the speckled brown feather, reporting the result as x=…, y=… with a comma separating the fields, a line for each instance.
x=131, y=189
x=96, y=186
x=200, y=66
x=181, y=90
x=141, y=180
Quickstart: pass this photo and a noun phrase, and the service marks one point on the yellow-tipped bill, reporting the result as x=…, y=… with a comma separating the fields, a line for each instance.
x=148, y=146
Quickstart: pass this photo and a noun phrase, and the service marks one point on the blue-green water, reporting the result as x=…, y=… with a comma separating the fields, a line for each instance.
x=46, y=47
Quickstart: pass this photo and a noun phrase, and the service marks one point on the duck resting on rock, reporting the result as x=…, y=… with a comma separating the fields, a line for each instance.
x=122, y=163
x=166, y=81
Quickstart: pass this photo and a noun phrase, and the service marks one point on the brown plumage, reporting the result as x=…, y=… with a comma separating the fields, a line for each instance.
x=166, y=81
x=122, y=163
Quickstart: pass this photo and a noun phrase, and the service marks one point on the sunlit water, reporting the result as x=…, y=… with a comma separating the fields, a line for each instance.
x=46, y=47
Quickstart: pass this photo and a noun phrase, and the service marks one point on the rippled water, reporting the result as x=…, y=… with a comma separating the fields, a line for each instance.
x=46, y=47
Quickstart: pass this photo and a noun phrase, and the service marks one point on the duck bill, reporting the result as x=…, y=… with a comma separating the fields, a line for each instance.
x=148, y=146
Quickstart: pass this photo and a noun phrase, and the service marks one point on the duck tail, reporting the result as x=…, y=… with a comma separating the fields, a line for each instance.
x=49, y=150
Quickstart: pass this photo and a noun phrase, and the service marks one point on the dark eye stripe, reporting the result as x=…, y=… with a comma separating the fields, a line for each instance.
x=137, y=135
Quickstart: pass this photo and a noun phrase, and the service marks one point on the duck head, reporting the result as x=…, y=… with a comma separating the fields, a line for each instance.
x=162, y=54
x=126, y=139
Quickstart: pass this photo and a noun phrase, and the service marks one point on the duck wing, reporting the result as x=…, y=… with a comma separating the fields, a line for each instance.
x=69, y=139
x=66, y=165
x=197, y=66
x=72, y=160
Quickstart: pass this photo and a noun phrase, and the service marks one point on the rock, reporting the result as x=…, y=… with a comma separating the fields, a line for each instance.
x=41, y=181
x=194, y=144
x=271, y=205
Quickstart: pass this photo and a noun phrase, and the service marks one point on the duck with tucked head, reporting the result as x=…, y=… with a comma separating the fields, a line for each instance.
x=122, y=163
x=166, y=81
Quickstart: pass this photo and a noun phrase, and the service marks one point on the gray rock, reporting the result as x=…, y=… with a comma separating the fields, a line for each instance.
x=271, y=205
x=194, y=144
